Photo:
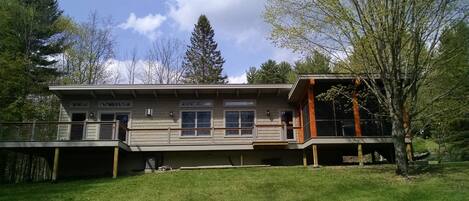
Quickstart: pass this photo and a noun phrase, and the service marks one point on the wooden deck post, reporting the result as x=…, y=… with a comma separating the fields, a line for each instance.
x=116, y=162
x=55, y=167
x=241, y=159
x=315, y=156
x=305, y=161
x=409, y=152
x=360, y=155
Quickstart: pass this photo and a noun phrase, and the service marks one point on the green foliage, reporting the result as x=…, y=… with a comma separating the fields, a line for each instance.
x=269, y=73
x=203, y=62
x=30, y=36
x=447, y=118
x=317, y=63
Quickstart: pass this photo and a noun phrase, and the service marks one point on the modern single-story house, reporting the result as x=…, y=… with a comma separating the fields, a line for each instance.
x=116, y=129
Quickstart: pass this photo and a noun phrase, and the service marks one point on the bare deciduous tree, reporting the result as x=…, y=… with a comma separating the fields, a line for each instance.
x=86, y=61
x=131, y=66
x=394, y=41
x=164, y=62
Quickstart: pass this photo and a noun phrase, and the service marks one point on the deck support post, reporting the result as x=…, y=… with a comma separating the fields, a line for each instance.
x=116, y=162
x=315, y=156
x=241, y=159
x=360, y=155
x=305, y=162
x=409, y=152
x=55, y=167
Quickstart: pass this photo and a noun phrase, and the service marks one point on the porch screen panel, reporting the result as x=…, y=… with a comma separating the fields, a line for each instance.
x=306, y=125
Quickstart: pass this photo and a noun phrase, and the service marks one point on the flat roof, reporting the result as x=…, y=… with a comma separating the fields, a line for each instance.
x=168, y=86
x=168, y=89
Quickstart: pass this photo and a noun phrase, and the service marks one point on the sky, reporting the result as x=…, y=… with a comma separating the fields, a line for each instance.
x=240, y=31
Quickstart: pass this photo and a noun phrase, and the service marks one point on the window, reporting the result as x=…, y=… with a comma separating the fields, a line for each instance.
x=196, y=103
x=239, y=103
x=239, y=119
x=196, y=123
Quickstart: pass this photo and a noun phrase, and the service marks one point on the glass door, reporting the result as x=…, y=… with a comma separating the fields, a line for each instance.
x=287, y=120
x=107, y=129
x=77, y=130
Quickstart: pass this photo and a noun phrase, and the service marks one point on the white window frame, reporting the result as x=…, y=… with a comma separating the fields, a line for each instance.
x=196, y=135
x=239, y=121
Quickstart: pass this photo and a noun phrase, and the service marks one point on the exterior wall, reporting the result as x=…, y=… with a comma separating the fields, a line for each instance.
x=160, y=119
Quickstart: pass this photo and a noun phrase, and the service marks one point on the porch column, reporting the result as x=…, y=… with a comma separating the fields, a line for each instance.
x=55, y=166
x=305, y=162
x=315, y=156
x=360, y=155
x=116, y=162
x=311, y=108
x=356, y=110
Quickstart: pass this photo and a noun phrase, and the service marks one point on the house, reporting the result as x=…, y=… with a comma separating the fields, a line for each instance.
x=104, y=129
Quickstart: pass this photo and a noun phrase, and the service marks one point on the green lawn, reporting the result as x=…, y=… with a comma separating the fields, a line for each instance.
x=438, y=182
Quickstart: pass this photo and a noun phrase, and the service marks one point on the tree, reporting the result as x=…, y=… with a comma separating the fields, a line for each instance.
x=30, y=37
x=317, y=63
x=269, y=73
x=203, y=62
x=447, y=118
x=132, y=66
x=88, y=58
x=164, y=62
x=394, y=41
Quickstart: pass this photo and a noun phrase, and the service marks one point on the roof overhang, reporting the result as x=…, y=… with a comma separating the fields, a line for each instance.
x=299, y=88
x=169, y=89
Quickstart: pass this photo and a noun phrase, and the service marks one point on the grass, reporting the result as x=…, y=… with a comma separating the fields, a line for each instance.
x=437, y=182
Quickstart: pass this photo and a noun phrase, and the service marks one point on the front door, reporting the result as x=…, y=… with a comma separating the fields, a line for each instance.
x=287, y=120
x=123, y=123
x=77, y=129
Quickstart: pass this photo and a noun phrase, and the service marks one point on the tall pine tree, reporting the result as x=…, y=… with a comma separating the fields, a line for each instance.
x=30, y=36
x=203, y=62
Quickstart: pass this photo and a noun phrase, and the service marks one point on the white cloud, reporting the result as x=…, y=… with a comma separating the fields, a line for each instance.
x=281, y=54
x=119, y=67
x=240, y=21
x=240, y=79
x=146, y=25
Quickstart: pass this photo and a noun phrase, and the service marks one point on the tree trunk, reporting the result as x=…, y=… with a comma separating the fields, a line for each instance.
x=398, y=136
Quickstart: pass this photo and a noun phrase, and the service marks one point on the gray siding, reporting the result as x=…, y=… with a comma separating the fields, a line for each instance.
x=162, y=106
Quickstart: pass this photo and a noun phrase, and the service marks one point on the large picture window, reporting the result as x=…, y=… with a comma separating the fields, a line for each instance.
x=196, y=123
x=237, y=120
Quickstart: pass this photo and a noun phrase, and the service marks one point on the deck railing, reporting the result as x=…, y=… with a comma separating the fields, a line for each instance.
x=251, y=133
x=57, y=130
x=37, y=131
x=346, y=127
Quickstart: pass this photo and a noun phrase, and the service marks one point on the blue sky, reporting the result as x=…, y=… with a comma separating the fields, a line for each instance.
x=240, y=31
